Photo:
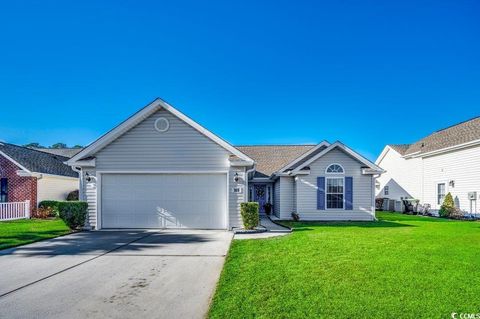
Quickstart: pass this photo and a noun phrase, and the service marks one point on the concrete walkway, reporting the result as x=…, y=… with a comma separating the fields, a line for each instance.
x=273, y=230
x=113, y=274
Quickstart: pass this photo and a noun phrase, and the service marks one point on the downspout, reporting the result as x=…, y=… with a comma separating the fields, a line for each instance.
x=80, y=175
x=254, y=167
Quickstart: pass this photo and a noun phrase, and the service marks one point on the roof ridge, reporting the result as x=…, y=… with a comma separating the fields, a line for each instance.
x=250, y=145
x=453, y=125
x=35, y=150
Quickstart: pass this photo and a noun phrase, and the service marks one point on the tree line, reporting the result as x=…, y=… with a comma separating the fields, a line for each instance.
x=56, y=145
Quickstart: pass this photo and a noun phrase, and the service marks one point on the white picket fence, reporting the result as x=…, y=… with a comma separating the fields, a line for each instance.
x=15, y=210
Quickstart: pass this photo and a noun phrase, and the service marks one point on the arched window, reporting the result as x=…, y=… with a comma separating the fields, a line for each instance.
x=334, y=169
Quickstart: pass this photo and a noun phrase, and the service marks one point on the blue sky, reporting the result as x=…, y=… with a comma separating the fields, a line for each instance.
x=367, y=73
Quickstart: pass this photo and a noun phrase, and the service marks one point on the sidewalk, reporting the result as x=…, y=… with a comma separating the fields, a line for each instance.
x=273, y=230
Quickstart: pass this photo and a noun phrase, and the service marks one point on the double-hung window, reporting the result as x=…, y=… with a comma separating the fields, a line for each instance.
x=440, y=193
x=3, y=190
x=335, y=192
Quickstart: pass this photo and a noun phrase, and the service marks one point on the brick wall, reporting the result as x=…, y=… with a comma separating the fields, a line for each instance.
x=19, y=188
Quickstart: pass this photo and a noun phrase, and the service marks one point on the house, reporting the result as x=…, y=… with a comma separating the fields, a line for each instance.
x=446, y=161
x=161, y=169
x=34, y=175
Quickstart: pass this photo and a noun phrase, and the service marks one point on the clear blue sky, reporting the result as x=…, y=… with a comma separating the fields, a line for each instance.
x=367, y=73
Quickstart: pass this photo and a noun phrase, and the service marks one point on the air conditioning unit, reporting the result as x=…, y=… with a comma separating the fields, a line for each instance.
x=472, y=195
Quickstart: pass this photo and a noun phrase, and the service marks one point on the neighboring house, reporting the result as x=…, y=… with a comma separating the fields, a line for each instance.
x=29, y=174
x=160, y=169
x=445, y=161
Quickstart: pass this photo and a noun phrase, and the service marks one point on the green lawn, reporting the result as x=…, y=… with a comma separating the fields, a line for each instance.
x=399, y=267
x=24, y=231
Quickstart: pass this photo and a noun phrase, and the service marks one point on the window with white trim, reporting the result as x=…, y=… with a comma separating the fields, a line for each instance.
x=386, y=190
x=334, y=169
x=334, y=192
x=440, y=193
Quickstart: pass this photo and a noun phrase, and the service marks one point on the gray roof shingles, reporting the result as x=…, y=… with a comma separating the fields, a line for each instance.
x=400, y=148
x=38, y=161
x=271, y=158
x=65, y=152
x=460, y=133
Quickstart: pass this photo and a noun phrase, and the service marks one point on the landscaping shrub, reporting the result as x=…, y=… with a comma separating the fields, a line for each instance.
x=50, y=204
x=43, y=212
x=73, y=213
x=73, y=195
x=295, y=217
x=250, y=216
x=448, y=207
x=379, y=204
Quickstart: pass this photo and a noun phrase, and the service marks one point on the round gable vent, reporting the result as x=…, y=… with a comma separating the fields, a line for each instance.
x=162, y=124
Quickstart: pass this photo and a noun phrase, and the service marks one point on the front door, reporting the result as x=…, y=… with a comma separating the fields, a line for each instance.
x=260, y=196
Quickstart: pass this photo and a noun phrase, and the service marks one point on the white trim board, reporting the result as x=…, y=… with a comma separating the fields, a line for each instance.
x=347, y=150
x=141, y=115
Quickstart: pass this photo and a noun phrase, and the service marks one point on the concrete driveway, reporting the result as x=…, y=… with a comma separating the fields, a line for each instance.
x=113, y=274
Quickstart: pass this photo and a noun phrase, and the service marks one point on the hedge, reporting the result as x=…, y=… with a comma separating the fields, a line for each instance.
x=73, y=213
x=250, y=216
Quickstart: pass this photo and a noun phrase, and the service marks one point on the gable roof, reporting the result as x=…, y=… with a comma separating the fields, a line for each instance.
x=347, y=150
x=271, y=158
x=141, y=115
x=65, y=152
x=458, y=134
x=400, y=148
x=34, y=161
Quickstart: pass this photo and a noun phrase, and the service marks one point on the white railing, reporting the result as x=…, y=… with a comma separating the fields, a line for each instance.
x=15, y=210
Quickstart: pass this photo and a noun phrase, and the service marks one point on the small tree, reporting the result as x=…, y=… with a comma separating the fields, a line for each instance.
x=448, y=206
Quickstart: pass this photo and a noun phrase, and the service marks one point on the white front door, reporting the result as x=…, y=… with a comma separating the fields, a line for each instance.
x=164, y=201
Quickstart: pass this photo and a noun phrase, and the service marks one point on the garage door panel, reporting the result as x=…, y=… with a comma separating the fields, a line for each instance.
x=164, y=201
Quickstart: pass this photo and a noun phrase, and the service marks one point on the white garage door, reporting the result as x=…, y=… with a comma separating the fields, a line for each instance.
x=164, y=201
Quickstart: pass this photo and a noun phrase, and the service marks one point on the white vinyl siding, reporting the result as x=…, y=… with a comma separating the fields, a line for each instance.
x=181, y=148
x=276, y=198
x=419, y=177
x=362, y=189
x=462, y=167
x=55, y=187
x=286, y=197
x=403, y=177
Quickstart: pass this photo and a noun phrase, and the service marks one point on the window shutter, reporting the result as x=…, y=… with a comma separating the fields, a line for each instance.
x=321, y=193
x=348, y=193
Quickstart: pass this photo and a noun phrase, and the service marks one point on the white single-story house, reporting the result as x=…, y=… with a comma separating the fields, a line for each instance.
x=161, y=169
x=446, y=161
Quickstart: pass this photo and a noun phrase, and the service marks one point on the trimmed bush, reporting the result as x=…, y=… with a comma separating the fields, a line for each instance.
x=73, y=195
x=250, y=216
x=448, y=207
x=52, y=205
x=73, y=213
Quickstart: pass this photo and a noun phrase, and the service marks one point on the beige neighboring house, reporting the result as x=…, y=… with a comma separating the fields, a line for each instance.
x=445, y=161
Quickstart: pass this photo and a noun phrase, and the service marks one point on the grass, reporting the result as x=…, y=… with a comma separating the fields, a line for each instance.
x=399, y=267
x=24, y=231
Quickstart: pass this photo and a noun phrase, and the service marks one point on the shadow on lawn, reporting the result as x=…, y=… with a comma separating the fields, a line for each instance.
x=303, y=226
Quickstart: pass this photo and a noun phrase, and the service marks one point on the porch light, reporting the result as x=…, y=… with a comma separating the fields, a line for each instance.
x=235, y=178
x=451, y=183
